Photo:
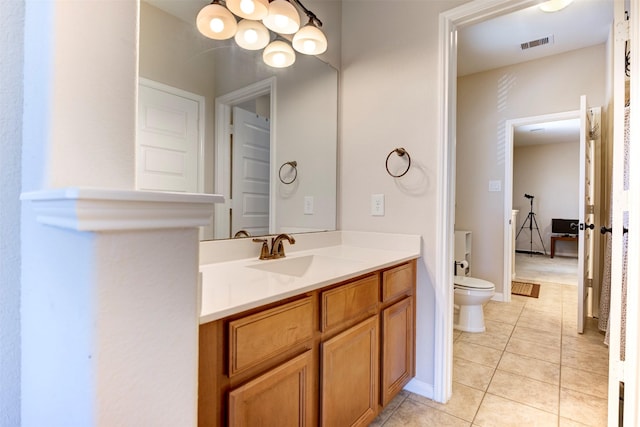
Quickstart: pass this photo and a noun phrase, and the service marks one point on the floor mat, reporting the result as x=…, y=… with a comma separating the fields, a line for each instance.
x=525, y=289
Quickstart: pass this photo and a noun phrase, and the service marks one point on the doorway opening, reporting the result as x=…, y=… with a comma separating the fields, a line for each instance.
x=539, y=138
x=224, y=106
x=465, y=15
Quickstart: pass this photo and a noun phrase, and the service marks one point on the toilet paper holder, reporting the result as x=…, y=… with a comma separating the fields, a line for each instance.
x=464, y=264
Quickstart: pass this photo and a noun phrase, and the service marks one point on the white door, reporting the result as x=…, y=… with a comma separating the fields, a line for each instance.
x=250, y=173
x=168, y=139
x=589, y=135
x=624, y=321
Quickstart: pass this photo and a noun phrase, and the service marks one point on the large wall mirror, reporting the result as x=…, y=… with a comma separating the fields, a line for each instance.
x=213, y=118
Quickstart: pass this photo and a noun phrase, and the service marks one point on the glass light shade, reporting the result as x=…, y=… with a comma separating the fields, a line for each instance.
x=554, y=5
x=283, y=17
x=310, y=40
x=278, y=54
x=249, y=9
x=252, y=35
x=216, y=22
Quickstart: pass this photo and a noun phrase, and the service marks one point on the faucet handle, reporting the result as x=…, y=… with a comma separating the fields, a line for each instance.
x=264, y=250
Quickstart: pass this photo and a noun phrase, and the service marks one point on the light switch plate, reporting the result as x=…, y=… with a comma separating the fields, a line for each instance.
x=495, y=185
x=308, y=205
x=377, y=204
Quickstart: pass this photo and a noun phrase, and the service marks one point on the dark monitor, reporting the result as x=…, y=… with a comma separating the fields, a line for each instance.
x=564, y=226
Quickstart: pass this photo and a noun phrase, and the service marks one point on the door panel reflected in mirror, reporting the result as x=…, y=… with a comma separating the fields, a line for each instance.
x=299, y=106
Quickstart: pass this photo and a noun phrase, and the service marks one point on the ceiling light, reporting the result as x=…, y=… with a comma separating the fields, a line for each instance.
x=310, y=40
x=252, y=35
x=282, y=18
x=554, y=5
x=279, y=54
x=216, y=22
x=249, y=9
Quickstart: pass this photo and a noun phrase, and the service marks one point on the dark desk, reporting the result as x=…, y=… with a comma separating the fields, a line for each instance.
x=555, y=238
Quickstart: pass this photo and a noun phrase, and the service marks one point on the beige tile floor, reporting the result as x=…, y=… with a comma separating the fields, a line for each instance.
x=530, y=367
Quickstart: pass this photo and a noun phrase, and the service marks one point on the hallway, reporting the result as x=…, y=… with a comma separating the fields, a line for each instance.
x=530, y=368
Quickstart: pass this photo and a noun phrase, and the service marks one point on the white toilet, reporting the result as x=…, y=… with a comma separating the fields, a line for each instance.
x=469, y=295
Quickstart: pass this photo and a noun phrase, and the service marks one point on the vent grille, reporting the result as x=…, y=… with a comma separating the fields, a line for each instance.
x=534, y=43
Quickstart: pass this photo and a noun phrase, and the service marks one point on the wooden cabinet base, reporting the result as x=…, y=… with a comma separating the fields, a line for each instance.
x=334, y=356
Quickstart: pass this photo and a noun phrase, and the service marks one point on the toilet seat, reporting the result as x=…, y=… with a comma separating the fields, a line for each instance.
x=471, y=283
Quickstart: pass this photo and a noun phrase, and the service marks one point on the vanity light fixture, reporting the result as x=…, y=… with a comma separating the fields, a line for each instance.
x=554, y=5
x=280, y=16
x=278, y=54
x=310, y=40
x=216, y=22
x=252, y=35
x=249, y=9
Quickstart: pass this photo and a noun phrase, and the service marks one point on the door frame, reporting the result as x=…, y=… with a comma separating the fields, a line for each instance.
x=223, y=129
x=510, y=126
x=467, y=14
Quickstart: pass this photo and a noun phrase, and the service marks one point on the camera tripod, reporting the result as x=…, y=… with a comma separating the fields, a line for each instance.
x=531, y=219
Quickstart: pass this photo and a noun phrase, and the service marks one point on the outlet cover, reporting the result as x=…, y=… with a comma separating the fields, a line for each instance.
x=377, y=204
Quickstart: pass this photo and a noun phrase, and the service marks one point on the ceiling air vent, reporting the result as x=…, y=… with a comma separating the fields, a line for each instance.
x=538, y=42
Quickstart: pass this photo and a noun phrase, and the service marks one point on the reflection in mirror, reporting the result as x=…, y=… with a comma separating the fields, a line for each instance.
x=194, y=93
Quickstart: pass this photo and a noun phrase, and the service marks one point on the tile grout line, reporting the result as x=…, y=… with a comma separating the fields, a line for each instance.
x=486, y=391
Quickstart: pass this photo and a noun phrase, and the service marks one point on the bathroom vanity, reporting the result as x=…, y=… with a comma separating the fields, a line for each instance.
x=329, y=339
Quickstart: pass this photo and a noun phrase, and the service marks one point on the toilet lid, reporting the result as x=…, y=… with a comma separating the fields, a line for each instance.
x=471, y=283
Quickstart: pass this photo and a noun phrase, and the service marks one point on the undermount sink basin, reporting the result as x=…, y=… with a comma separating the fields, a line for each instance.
x=299, y=266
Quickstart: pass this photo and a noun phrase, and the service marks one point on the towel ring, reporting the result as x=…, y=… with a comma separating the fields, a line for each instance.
x=294, y=165
x=400, y=152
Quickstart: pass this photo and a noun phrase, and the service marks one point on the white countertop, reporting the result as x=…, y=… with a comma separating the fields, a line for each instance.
x=234, y=286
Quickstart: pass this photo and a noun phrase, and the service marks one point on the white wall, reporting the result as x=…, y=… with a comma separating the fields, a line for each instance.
x=550, y=172
x=389, y=99
x=108, y=319
x=485, y=101
x=11, y=63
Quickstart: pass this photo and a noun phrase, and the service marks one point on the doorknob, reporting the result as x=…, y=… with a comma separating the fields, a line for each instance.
x=584, y=225
x=604, y=230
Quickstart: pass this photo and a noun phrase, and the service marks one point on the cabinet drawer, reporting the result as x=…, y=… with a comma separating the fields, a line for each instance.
x=398, y=281
x=348, y=302
x=256, y=338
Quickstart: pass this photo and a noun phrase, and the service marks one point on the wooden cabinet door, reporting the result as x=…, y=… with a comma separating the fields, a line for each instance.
x=282, y=397
x=350, y=376
x=398, y=343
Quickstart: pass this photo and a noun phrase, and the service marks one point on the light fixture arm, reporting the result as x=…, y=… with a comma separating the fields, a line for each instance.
x=312, y=16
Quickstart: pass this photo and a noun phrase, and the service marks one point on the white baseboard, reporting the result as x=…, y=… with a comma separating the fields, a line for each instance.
x=498, y=296
x=418, y=387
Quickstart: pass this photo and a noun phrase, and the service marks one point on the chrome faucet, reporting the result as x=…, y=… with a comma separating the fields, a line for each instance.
x=277, y=246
